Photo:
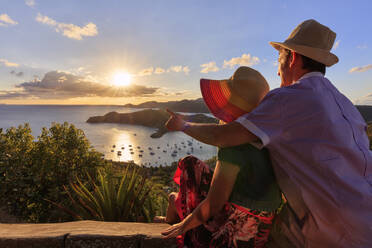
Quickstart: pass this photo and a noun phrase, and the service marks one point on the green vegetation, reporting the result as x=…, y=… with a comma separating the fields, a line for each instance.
x=60, y=165
x=127, y=197
x=31, y=171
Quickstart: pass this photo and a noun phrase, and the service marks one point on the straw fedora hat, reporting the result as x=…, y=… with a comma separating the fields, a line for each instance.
x=312, y=40
x=230, y=98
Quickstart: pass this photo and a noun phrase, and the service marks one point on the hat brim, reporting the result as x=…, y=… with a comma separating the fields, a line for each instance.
x=217, y=95
x=323, y=56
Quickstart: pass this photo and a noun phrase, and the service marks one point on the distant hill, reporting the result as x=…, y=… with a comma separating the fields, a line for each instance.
x=186, y=106
x=148, y=118
x=366, y=112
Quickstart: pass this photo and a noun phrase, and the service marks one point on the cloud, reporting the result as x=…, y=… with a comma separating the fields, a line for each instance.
x=186, y=70
x=61, y=85
x=364, y=46
x=175, y=68
x=5, y=20
x=365, y=100
x=179, y=68
x=208, y=67
x=147, y=71
x=245, y=59
x=18, y=74
x=30, y=3
x=7, y=63
x=335, y=46
x=71, y=31
x=159, y=70
x=361, y=68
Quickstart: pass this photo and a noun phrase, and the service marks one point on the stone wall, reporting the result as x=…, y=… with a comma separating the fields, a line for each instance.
x=81, y=234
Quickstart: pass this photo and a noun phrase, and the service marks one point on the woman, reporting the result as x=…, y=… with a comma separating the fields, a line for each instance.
x=235, y=205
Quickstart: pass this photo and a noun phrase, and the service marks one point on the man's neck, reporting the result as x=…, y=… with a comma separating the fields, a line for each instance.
x=299, y=74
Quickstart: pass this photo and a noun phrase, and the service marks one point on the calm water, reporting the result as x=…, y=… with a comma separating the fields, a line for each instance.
x=129, y=139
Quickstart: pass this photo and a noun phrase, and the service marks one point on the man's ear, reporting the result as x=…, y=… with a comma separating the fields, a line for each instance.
x=294, y=59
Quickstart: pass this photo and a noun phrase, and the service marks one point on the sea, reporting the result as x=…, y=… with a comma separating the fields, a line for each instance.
x=118, y=142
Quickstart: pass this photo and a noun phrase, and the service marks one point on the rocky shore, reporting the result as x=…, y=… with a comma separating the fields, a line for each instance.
x=149, y=118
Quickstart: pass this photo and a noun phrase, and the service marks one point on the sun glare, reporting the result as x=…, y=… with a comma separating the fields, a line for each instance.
x=121, y=79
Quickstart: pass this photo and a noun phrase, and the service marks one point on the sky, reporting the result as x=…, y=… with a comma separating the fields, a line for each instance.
x=120, y=51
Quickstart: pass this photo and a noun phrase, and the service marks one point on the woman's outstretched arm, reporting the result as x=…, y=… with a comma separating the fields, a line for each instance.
x=222, y=184
x=226, y=135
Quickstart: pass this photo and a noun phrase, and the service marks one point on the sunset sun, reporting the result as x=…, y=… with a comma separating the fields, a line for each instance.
x=121, y=79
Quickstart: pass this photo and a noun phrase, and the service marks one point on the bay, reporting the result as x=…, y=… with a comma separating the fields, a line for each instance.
x=133, y=141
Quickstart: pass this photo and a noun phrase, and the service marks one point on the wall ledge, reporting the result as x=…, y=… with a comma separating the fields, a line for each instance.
x=81, y=234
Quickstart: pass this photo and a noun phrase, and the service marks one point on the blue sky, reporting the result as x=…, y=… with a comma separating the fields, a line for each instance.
x=67, y=52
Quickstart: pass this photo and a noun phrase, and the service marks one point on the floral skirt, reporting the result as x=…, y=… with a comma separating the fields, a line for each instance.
x=233, y=226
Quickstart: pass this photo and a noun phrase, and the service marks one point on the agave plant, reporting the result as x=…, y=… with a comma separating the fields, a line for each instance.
x=113, y=198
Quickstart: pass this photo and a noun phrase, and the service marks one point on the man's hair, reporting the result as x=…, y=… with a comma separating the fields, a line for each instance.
x=312, y=65
x=307, y=63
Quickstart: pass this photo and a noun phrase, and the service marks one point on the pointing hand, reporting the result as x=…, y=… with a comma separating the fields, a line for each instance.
x=175, y=122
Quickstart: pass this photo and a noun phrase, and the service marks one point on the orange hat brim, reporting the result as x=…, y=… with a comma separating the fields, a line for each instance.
x=216, y=95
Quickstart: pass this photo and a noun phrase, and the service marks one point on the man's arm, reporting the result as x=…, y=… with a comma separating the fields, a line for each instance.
x=221, y=135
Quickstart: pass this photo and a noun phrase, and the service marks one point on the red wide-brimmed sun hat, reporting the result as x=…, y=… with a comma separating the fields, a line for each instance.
x=230, y=98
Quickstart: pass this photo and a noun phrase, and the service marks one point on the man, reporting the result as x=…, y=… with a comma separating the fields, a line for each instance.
x=317, y=141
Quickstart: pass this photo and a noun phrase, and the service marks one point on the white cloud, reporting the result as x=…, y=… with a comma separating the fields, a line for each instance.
x=7, y=63
x=245, y=59
x=361, y=68
x=364, y=46
x=208, y=67
x=335, y=46
x=186, y=70
x=71, y=31
x=5, y=20
x=365, y=100
x=159, y=70
x=147, y=71
x=175, y=68
x=30, y=3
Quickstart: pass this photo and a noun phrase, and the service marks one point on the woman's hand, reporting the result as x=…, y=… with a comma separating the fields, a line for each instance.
x=174, y=230
x=175, y=122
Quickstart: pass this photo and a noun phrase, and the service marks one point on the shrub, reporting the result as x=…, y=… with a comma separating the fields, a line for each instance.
x=128, y=197
x=32, y=171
